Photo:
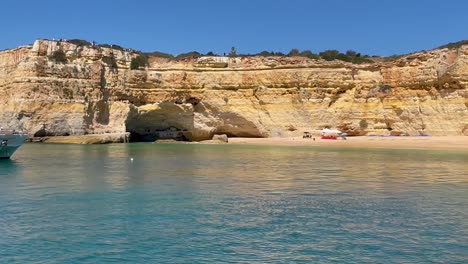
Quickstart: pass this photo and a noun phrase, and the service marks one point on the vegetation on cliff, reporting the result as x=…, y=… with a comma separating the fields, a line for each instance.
x=454, y=45
x=328, y=55
x=158, y=54
x=140, y=61
x=192, y=54
x=113, y=46
x=58, y=56
x=80, y=42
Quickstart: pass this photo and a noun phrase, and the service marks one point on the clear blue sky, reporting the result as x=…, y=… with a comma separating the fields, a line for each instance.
x=373, y=27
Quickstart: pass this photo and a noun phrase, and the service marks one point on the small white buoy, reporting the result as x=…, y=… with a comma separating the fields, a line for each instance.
x=131, y=159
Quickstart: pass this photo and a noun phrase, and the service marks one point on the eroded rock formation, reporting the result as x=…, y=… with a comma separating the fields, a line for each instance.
x=94, y=91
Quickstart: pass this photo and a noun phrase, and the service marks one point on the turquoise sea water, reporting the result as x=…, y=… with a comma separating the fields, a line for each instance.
x=232, y=204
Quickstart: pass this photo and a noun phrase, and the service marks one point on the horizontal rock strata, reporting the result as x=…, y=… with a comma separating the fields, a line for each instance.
x=93, y=91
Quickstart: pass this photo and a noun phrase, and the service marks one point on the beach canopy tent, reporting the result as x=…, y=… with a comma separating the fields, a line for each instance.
x=327, y=131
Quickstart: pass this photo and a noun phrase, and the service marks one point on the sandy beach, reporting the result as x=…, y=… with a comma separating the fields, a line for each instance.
x=434, y=142
x=459, y=143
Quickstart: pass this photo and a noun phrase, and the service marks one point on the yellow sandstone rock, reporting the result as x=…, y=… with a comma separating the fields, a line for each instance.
x=95, y=92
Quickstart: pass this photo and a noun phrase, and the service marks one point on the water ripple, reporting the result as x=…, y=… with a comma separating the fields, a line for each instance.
x=232, y=204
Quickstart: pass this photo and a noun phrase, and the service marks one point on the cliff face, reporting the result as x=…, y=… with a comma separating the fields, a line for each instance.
x=95, y=92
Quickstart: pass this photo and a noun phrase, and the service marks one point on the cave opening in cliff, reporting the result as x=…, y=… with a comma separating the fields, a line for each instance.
x=152, y=135
x=161, y=121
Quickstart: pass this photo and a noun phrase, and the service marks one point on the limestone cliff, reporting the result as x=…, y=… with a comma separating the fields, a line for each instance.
x=93, y=91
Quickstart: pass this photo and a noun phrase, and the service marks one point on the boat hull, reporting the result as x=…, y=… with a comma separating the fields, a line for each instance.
x=9, y=143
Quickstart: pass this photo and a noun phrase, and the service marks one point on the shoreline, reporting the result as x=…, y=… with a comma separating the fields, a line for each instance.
x=459, y=143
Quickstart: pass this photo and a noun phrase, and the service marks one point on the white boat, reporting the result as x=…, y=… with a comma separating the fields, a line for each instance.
x=10, y=141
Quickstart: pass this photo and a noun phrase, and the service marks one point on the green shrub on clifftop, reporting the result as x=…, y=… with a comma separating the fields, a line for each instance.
x=158, y=54
x=192, y=54
x=59, y=56
x=139, y=61
x=111, y=46
x=80, y=42
x=454, y=45
x=110, y=61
